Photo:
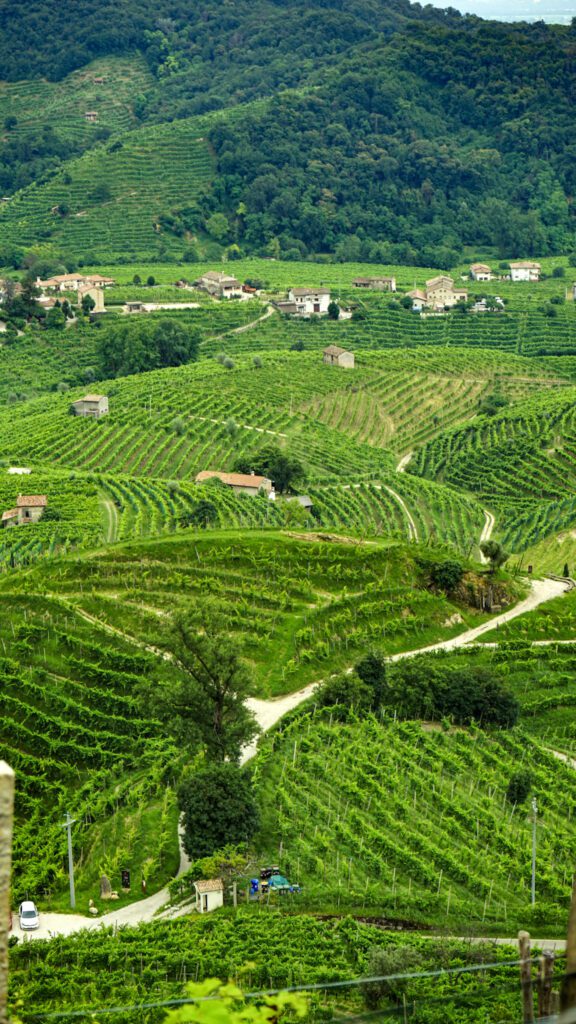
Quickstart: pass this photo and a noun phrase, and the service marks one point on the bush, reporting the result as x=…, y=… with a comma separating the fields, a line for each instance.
x=559, y=272
x=178, y=426
x=519, y=788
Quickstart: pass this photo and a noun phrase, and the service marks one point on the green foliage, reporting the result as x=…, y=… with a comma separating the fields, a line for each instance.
x=205, y=704
x=445, y=574
x=134, y=348
x=383, y=962
x=218, y=809
x=460, y=694
x=519, y=787
x=495, y=553
x=333, y=310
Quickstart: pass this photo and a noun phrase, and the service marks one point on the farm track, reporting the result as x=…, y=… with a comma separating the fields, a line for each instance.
x=267, y=713
x=412, y=531
x=486, y=532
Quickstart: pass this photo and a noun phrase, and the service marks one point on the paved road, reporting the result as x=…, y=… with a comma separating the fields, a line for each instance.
x=267, y=713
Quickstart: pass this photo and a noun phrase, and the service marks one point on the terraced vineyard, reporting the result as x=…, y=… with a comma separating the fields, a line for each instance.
x=72, y=729
x=298, y=604
x=63, y=105
x=522, y=462
x=150, y=171
x=385, y=836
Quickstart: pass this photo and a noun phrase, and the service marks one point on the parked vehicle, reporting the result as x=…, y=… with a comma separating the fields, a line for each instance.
x=28, y=915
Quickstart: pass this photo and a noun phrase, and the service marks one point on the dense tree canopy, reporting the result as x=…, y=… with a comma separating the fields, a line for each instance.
x=145, y=345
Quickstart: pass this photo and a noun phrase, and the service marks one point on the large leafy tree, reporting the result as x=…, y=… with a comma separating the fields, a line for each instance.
x=204, y=705
x=218, y=808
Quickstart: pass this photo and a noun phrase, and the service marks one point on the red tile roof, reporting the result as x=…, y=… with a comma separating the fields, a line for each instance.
x=31, y=501
x=234, y=479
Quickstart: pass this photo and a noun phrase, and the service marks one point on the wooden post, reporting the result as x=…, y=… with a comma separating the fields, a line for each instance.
x=526, y=978
x=6, y=818
x=568, y=987
x=545, y=975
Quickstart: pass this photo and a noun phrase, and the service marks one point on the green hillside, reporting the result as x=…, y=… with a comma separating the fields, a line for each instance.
x=260, y=951
x=413, y=820
x=521, y=461
x=71, y=723
x=63, y=105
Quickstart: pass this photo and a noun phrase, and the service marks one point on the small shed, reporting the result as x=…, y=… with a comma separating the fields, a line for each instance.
x=333, y=355
x=91, y=405
x=209, y=894
x=91, y=116
x=10, y=517
x=30, y=507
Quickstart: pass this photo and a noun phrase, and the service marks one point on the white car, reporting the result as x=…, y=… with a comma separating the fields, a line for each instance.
x=28, y=915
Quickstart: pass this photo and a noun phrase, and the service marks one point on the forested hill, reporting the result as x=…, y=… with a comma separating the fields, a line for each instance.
x=381, y=131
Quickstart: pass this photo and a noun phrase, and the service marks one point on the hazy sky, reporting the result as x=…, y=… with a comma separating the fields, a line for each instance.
x=560, y=11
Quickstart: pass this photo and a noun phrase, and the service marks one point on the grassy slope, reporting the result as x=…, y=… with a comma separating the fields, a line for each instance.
x=146, y=172
x=71, y=725
x=260, y=948
x=62, y=105
x=409, y=821
x=300, y=606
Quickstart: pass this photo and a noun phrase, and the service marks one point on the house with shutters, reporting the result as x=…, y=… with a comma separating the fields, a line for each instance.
x=481, y=272
x=439, y=294
x=525, y=270
x=306, y=302
x=220, y=285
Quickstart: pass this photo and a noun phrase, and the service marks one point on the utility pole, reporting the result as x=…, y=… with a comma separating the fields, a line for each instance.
x=534, y=820
x=6, y=820
x=68, y=825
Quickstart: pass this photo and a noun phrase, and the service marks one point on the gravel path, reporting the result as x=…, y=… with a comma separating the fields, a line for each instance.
x=267, y=713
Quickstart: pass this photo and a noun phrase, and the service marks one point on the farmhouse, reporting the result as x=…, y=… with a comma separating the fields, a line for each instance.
x=91, y=116
x=99, y=280
x=29, y=509
x=62, y=283
x=333, y=355
x=440, y=292
x=418, y=299
x=91, y=405
x=241, y=483
x=480, y=272
x=379, y=284
x=309, y=301
x=222, y=285
x=209, y=895
x=525, y=270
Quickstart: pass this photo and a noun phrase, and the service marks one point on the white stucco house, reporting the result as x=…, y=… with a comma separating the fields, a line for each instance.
x=481, y=272
x=525, y=270
x=310, y=301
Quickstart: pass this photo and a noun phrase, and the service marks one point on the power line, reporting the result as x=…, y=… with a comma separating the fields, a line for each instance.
x=318, y=986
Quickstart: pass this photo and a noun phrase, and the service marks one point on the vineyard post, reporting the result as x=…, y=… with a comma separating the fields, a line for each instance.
x=526, y=977
x=568, y=988
x=6, y=821
x=68, y=825
x=545, y=974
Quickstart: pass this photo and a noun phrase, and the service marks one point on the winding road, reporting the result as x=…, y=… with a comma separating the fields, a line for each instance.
x=267, y=713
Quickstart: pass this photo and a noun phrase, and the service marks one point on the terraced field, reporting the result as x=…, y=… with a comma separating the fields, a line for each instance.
x=413, y=819
x=73, y=730
x=298, y=604
x=522, y=462
x=63, y=105
x=152, y=170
